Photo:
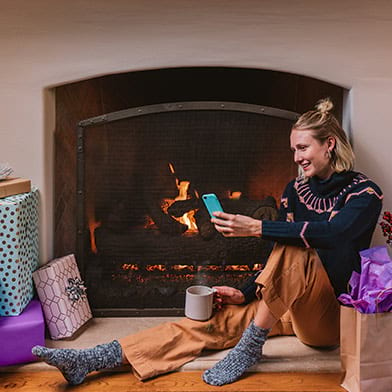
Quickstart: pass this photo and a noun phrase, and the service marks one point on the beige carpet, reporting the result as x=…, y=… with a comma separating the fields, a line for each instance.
x=282, y=354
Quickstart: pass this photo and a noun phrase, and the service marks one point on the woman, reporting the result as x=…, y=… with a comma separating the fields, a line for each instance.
x=327, y=216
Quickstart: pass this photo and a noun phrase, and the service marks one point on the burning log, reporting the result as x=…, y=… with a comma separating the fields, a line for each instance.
x=180, y=207
x=165, y=223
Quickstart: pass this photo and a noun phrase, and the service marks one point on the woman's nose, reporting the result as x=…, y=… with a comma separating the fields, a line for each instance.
x=297, y=157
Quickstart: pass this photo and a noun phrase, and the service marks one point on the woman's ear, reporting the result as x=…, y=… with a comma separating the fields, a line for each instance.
x=331, y=143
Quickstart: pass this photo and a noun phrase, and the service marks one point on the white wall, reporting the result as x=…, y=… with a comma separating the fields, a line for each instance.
x=45, y=43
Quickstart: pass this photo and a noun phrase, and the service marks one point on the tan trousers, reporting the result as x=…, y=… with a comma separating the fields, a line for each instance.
x=296, y=289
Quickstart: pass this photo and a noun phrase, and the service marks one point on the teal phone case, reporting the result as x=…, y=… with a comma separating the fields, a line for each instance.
x=212, y=203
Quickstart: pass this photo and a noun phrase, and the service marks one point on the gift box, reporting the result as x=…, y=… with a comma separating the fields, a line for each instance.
x=14, y=186
x=20, y=333
x=18, y=251
x=63, y=296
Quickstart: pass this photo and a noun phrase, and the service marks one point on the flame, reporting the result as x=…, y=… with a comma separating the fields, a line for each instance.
x=171, y=168
x=235, y=195
x=188, y=218
x=92, y=225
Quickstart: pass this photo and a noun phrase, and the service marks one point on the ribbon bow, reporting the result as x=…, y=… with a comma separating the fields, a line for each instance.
x=76, y=290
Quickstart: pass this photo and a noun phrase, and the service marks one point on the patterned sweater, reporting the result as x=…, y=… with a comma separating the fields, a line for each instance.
x=336, y=217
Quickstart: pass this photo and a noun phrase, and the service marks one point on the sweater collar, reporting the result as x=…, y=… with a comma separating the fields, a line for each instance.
x=333, y=185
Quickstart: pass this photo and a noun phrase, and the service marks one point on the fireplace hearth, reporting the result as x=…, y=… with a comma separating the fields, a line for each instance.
x=142, y=234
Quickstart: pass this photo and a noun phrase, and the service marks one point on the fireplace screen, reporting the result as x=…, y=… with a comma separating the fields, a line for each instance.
x=144, y=234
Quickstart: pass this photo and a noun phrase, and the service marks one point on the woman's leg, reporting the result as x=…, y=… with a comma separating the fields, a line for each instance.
x=168, y=346
x=156, y=350
x=294, y=280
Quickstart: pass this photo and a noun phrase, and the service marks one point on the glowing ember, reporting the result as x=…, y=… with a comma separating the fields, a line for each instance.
x=192, y=268
x=130, y=267
x=183, y=268
x=237, y=268
x=156, y=267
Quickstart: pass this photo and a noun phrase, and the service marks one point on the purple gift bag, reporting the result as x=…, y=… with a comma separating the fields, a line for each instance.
x=371, y=290
x=18, y=334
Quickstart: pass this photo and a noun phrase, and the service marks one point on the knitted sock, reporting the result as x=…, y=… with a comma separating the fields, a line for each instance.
x=76, y=364
x=245, y=354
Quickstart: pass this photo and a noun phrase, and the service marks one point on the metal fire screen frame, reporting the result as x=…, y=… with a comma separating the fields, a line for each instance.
x=142, y=111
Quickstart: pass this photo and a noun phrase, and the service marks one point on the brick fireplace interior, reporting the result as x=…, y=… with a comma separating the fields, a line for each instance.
x=134, y=153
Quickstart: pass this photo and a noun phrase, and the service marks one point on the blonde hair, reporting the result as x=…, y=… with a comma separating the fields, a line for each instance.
x=324, y=125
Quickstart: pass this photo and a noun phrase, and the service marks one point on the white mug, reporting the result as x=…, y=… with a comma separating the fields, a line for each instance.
x=199, y=302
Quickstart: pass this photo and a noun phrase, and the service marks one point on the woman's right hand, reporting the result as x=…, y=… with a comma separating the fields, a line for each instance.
x=228, y=295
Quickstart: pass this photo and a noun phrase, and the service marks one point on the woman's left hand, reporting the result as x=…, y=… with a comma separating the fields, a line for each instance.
x=236, y=225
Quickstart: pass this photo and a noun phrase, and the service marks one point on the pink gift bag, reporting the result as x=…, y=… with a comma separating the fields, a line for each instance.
x=63, y=296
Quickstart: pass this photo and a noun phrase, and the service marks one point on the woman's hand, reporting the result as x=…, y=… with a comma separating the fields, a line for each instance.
x=231, y=225
x=227, y=295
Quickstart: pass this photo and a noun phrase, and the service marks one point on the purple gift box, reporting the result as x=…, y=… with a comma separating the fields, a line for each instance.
x=18, y=334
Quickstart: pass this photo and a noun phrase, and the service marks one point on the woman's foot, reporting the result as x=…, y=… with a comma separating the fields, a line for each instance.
x=76, y=364
x=245, y=354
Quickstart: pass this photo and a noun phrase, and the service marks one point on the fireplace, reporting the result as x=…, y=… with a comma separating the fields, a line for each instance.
x=142, y=234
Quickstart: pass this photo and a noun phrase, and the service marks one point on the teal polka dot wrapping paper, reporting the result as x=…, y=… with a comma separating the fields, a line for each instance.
x=19, y=252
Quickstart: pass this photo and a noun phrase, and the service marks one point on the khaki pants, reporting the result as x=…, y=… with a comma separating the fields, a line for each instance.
x=296, y=289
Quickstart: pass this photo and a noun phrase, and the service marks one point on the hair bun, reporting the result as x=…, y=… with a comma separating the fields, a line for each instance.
x=324, y=105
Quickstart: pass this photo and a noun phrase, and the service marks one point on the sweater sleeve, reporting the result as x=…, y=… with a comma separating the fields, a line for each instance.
x=359, y=215
x=249, y=288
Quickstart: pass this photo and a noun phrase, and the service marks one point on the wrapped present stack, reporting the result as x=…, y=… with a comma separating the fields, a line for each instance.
x=21, y=316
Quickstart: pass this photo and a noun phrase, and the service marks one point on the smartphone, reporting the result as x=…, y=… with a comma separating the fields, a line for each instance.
x=212, y=203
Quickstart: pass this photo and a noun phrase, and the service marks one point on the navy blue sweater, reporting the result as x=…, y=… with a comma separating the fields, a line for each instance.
x=336, y=217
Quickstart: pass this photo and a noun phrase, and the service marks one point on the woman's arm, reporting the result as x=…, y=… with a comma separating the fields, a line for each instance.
x=358, y=216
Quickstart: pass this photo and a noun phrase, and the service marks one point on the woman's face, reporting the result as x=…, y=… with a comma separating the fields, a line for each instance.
x=310, y=154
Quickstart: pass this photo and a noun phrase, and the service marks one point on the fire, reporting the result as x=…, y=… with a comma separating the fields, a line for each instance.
x=235, y=195
x=188, y=218
x=92, y=225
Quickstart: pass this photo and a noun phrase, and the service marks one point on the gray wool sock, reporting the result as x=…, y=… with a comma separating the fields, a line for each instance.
x=245, y=354
x=76, y=364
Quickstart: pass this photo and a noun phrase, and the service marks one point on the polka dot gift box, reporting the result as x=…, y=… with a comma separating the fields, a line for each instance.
x=63, y=296
x=18, y=251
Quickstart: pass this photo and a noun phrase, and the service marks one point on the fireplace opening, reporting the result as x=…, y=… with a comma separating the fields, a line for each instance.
x=142, y=174
x=148, y=145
